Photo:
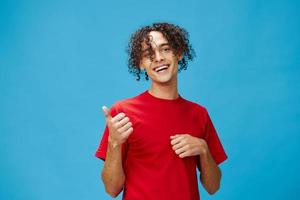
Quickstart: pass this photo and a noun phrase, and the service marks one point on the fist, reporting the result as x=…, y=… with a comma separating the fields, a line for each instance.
x=185, y=145
x=119, y=126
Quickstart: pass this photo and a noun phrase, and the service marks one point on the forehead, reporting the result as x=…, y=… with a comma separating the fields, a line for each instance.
x=156, y=39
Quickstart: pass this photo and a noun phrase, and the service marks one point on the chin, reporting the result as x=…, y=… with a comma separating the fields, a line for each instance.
x=162, y=80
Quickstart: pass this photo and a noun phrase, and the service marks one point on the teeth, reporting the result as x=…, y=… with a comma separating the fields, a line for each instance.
x=160, y=68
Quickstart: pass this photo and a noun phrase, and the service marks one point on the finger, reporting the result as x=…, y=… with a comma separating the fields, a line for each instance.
x=106, y=111
x=184, y=154
x=181, y=150
x=177, y=146
x=176, y=140
x=123, y=122
x=174, y=136
x=188, y=152
x=118, y=117
x=127, y=133
x=125, y=127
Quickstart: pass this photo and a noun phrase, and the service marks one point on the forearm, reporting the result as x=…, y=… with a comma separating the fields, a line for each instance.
x=186, y=145
x=112, y=174
x=210, y=175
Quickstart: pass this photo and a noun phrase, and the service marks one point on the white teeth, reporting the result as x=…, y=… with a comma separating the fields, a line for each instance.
x=160, y=68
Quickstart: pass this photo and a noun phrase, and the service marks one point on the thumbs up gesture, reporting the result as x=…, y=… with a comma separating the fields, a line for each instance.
x=119, y=127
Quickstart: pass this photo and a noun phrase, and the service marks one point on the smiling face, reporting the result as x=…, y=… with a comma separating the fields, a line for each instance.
x=159, y=61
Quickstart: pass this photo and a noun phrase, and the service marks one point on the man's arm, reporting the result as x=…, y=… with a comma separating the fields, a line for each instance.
x=186, y=145
x=210, y=175
x=113, y=175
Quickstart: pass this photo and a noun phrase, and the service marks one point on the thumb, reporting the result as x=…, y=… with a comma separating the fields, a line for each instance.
x=106, y=111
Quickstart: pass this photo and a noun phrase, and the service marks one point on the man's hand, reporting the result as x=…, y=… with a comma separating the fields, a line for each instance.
x=186, y=145
x=119, y=127
x=113, y=175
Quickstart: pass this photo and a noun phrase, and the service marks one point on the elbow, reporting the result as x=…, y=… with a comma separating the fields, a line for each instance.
x=213, y=189
x=112, y=192
x=113, y=188
x=211, y=192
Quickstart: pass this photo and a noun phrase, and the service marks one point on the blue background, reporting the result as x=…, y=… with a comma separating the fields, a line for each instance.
x=61, y=60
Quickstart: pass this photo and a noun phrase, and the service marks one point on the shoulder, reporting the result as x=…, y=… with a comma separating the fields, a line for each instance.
x=122, y=104
x=195, y=106
x=198, y=111
x=129, y=101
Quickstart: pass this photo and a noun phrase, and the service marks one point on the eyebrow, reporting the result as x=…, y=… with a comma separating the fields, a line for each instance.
x=159, y=46
x=164, y=44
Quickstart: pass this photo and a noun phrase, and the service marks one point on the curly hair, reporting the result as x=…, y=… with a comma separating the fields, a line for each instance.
x=177, y=37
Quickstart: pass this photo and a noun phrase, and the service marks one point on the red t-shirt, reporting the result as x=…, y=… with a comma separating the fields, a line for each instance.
x=153, y=171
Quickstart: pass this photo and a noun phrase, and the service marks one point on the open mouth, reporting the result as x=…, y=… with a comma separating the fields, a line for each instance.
x=161, y=68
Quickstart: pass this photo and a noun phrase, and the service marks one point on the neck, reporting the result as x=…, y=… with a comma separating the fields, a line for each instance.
x=164, y=91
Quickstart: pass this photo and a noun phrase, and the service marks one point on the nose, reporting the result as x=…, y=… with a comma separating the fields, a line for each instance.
x=159, y=56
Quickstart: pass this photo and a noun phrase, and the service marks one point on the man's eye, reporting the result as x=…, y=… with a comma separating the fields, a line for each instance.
x=166, y=49
x=147, y=55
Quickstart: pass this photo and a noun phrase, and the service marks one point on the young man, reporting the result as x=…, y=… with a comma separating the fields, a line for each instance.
x=153, y=143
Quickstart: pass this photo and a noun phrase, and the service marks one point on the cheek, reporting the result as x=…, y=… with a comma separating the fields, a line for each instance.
x=145, y=64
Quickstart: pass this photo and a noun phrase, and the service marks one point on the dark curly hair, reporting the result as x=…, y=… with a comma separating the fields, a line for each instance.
x=177, y=37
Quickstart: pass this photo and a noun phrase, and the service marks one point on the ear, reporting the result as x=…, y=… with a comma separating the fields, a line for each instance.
x=179, y=57
x=142, y=67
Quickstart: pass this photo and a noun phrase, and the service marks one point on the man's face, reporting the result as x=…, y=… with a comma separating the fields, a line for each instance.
x=162, y=64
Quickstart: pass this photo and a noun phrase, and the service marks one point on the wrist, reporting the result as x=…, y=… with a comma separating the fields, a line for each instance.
x=204, y=151
x=113, y=143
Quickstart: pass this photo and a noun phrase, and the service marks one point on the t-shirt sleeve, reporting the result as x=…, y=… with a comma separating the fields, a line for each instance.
x=214, y=144
x=102, y=148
